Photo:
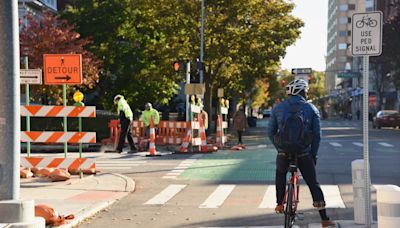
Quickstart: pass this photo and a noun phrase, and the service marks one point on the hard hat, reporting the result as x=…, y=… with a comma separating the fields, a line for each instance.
x=117, y=97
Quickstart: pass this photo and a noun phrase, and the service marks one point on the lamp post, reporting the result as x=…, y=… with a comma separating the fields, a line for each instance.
x=202, y=43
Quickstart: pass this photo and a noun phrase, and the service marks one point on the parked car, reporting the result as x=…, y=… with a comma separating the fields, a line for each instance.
x=266, y=112
x=386, y=118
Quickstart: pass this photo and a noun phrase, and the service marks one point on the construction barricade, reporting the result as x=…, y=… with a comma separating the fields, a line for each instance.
x=58, y=136
x=196, y=139
x=222, y=124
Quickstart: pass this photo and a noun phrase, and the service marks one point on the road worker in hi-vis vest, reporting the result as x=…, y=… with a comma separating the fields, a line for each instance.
x=147, y=114
x=125, y=119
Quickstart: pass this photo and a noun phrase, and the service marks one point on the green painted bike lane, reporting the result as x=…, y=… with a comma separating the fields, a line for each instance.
x=256, y=163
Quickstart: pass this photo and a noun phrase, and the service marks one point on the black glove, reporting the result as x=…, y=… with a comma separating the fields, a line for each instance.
x=314, y=158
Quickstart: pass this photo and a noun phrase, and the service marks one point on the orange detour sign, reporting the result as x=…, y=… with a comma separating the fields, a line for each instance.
x=62, y=69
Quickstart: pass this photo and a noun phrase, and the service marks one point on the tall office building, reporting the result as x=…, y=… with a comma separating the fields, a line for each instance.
x=35, y=7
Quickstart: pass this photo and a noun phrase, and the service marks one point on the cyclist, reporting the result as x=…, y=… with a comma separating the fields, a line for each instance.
x=306, y=159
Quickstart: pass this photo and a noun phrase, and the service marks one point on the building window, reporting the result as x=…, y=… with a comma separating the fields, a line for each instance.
x=369, y=9
x=343, y=7
x=342, y=20
x=352, y=7
x=349, y=20
x=342, y=33
x=349, y=33
x=342, y=46
x=342, y=59
x=369, y=4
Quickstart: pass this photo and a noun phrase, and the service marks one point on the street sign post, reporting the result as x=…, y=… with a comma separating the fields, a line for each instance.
x=366, y=37
x=62, y=69
x=31, y=76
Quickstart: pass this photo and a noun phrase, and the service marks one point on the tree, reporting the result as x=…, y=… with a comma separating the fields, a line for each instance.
x=50, y=35
x=387, y=66
x=140, y=39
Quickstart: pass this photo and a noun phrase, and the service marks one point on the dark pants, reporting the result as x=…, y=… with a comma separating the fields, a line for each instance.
x=240, y=133
x=307, y=169
x=125, y=132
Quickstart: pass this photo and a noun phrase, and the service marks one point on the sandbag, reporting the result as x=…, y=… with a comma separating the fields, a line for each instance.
x=84, y=171
x=236, y=148
x=51, y=217
x=44, y=172
x=25, y=173
x=59, y=175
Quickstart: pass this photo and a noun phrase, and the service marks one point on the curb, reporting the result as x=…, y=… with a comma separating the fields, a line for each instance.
x=97, y=207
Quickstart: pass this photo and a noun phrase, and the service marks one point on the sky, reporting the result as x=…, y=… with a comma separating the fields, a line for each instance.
x=310, y=49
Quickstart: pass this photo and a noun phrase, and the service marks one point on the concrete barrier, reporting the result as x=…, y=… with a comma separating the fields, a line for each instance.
x=388, y=200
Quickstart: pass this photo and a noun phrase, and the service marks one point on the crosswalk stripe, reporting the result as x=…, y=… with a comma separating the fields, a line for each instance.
x=335, y=144
x=166, y=194
x=332, y=196
x=358, y=144
x=217, y=198
x=269, y=198
x=385, y=144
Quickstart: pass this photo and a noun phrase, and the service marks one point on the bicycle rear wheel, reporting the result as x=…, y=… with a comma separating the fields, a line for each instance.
x=289, y=214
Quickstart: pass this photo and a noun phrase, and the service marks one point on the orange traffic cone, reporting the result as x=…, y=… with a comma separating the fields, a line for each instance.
x=220, y=133
x=203, y=136
x=152, y=144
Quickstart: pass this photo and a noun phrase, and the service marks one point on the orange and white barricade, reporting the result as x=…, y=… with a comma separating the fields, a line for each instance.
x=63, y=163
x=201, y=139
x=222, y=126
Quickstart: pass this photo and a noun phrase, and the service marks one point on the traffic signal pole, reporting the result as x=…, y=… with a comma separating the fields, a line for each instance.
x=202, y=43
x=12, y=209
x=187, y=82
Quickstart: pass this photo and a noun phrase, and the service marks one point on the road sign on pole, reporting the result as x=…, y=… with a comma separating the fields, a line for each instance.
x=301, y=71
x=366, y=40
x=62, y=69
x=31, y=76
x=366, y=35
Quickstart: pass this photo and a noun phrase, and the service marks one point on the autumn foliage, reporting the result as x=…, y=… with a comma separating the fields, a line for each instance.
x=51, y=35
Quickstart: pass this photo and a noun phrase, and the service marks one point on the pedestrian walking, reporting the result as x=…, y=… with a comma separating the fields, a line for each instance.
x=125, y=120
x=294, y=128
x=147, y=114
x=240, y=123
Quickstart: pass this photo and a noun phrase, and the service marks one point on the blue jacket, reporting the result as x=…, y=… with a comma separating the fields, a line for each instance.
x=312, y=115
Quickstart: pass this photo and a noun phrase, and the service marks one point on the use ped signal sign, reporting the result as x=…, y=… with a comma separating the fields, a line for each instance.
x=366, y=35
x=62, y=69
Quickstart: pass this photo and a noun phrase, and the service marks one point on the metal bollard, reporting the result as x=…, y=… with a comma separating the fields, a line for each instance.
x=359, y=199
x=388, y=200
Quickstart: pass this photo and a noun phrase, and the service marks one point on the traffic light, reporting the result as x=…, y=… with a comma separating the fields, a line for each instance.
x=179, y=66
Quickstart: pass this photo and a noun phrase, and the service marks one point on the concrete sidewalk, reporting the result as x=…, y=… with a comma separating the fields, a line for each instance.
x=81, y=197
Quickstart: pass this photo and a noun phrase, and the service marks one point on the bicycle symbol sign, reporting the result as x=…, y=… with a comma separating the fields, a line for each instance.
x=366, y=34
x=366, y=21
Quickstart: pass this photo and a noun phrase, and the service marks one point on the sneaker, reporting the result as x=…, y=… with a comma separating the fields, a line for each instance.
x=279, y=209
x=328, y=223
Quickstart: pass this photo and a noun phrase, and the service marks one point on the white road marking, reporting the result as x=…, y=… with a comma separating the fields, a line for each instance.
x=335, y=144
x=332, y=196
x=166, y=194
x=385, y=144
x=358, y=144
x=217, y=198
x=269, y=198
x=182, y=167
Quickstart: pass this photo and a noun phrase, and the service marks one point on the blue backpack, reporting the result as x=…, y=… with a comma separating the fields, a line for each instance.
x=294, y=134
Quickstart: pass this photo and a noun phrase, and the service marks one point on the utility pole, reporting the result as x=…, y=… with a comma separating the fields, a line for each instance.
x=12, y=209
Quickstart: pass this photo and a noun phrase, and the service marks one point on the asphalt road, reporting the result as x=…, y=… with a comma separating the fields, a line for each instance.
x=236, y=188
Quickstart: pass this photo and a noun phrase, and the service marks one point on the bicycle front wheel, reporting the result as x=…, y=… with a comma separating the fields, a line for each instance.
x=289, y=215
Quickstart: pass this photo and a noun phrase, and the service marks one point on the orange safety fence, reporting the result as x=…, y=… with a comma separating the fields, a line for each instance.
x=167, y=132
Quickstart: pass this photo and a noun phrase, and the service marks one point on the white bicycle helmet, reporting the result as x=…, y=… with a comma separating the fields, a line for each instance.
x=296, y=86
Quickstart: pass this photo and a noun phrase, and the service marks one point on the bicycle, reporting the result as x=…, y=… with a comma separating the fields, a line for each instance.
x=291, y=198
